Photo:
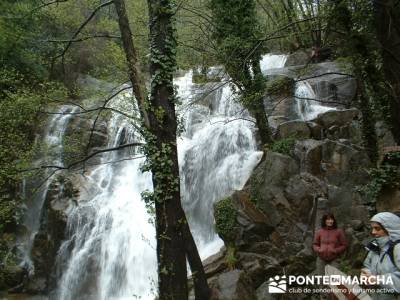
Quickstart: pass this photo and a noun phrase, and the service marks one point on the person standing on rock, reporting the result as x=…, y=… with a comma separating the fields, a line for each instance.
x=329, y=243
x=384, y=254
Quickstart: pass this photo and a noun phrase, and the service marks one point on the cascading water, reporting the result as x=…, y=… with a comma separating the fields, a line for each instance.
x=307, y=107
x=53, y=141
x=216, y=155
x=272, y=61
x=110, y=251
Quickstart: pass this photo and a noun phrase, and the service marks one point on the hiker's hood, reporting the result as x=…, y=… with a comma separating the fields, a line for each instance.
x=390, y=222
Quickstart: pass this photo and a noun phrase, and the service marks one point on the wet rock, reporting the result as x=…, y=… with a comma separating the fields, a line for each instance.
x=275, y=121
x=233, y=285
x=309, y=153
x=389, y=200
x=293, y=129
x=316, y=130
x=300, y=57
x=62, y=197
x=357, y=225
x=343, y=164
x=251, y=224
x=337, y=117
x=262, y=293
x=215, y=264
x=385, y=137
x=258, y=266
x=301, y=191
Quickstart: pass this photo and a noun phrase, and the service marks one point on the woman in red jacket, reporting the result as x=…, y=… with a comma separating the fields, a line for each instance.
x=329, y=243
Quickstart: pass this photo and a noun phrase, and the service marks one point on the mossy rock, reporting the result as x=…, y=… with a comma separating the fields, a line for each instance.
x=284, y=146
x=225, y=219
x=280, y=86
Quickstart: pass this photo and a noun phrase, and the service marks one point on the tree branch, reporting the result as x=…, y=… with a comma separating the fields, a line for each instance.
x=81, y=27
x=84, y=38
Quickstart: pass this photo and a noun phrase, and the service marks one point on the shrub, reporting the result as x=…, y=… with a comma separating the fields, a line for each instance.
x=225, y=218
x=284, y=146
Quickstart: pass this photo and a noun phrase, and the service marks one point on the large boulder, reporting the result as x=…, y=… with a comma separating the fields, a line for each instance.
x=61, y=198
x=344, y=164
x=233, y=285
x=337, y=117
x=293, y=129
x=309, y=153
x=388, y=200
x=300, y=57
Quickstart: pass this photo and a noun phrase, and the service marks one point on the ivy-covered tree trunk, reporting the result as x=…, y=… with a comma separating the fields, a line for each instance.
x=388, y=33
x=175, y=242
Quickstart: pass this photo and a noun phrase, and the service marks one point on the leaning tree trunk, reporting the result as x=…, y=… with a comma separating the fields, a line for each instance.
x=173, y=234
x=174, y=239
x=388, y=34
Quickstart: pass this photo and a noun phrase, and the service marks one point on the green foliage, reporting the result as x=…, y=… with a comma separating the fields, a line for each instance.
x=280, y=86
x=10, y=214
x=225, y=218
x=230, y=258
x=255, y=191
x=386, y=176
x=284, y=146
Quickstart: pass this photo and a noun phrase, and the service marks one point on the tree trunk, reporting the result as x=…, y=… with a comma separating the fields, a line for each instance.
x=134, y=71
x=388, y=34
x=259, y=112
x=174, y=239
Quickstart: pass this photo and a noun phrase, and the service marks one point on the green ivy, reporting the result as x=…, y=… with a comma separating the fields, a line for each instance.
x=386, y=176
x=225, y=218
x=284, y=146
x=280, y=86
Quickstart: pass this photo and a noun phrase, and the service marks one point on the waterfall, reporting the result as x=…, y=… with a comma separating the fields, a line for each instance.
x=306, y=107
x=53, y=141
x=109, y=252
x=272, y=61
x=217, y=153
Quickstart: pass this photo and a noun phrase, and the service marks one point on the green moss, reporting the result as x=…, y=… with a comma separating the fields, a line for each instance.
x=280, y=86
x=230, y=258
x=284, y=146
x=255, y=193
x=225, y=218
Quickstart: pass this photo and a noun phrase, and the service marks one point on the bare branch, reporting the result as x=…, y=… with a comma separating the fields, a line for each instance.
x=84, y=38
x=70, y=166
x=324, y=74
x=81, y=27
x=46, y=4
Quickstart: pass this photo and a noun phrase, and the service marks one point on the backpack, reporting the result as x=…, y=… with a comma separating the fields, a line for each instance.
x=390, y=252
x=373, y=246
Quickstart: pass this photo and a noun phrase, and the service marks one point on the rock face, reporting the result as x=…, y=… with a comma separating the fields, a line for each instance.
x=289, y=196
x=62, y=196
x=232, y=285
x=330, y=85
x=294, y=129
